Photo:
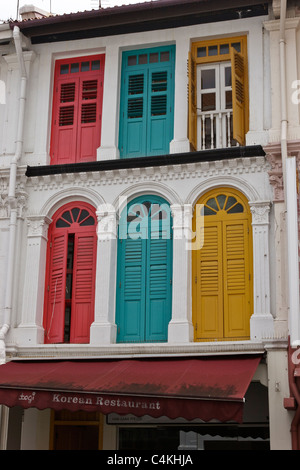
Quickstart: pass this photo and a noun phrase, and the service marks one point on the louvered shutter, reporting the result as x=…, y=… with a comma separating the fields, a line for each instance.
x=209, y=285
x=55, y=289
x=133, y=125
x=236, y=279
x=159, y=280
x=89, y=119
x=192, y=97
x=160, y=110
x=238, y=68
x=83, y=289
x=64, y=125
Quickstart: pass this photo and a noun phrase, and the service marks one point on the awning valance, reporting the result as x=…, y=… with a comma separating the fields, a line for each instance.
x=209, y=388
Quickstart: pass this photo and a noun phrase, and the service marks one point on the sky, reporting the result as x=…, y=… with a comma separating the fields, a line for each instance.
x=8, y=8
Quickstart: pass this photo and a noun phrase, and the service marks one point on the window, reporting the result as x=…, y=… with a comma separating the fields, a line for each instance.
x=70, y=275
x=77, y=109
x=218, y=93
x=144, y=279
x=222, y=268
x=147, y=95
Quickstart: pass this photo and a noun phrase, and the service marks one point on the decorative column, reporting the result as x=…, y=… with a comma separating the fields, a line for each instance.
x=180, y=326
x=30, y=331
x=262, y=322
x=103, y=329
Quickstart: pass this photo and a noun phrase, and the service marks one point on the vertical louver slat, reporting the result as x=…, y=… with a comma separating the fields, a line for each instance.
x=55, y=288
x=135, y=108
x=83, y=286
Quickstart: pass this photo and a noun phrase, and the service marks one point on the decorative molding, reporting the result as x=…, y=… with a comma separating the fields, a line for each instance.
x=260, y=212
x=38, y=226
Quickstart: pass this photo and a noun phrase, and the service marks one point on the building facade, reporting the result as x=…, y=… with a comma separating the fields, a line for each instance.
x=148, y=227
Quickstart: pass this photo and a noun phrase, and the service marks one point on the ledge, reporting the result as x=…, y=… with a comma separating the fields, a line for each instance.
x=142, y=162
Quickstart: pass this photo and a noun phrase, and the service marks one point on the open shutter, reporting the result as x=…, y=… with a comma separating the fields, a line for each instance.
x=89, y=119
x=236, y=279
x=192, y=97
x=209, y=285
x=82, y=311
x=56, y=288
x=160, y=110
x=159, y=278
x=64, y=126
x=133, y=123
x=238, y=68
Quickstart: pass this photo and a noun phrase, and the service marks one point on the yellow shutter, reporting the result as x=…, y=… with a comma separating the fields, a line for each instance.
x=192, y=97
x=239, y=96
x=236, y=279
x=208, y=315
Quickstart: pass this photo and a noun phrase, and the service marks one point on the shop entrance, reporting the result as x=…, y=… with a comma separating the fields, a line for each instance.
x=76, y=431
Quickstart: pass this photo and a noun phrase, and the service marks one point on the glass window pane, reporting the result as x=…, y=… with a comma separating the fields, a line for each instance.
x=221, y=200
x=75, y=213
x=85, y=66
x=132, y=60
x=64, y=69
x=228, y=99
x=96, y=65
x=227, y=76
x=67, y=216
x=153, y=57
x=230, y=201
x=212, y=50
x=75, y=68
x=236, y=209
x=237, y=46
x=212, y=203
x=224, y=49
x=62, y=223
x=208, y=102
x=143, y=59
x=201, y=52
x=208, y=79
x=84, y=214
x=165, y=56
x=88, y=221
x=208, y=211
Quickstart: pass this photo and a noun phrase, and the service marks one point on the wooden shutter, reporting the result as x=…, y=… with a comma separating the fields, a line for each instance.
x=208, y=284
x=64, y=125
x=55, y=289
x=192, y=97
x=83, y=289
x=236, y=279
x=133, y=124
x=239, y=95
x=89, y=119
x=131, y=290
x=160, y=111
x=159, y=279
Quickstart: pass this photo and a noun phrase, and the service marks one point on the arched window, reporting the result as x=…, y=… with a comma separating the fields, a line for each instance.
x=144, y=280
x=70, y=275
x=222, y=268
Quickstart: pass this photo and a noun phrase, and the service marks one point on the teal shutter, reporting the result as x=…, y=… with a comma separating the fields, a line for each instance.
x=144, y=276
x=147, y=95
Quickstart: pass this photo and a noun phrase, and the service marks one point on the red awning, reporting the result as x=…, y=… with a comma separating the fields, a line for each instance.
x=206, y=388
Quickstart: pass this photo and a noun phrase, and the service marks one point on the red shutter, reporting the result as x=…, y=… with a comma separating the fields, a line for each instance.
x=77, y=110
x=64, y=130
x=55, y=289
x=89, y=119
x=83, y=296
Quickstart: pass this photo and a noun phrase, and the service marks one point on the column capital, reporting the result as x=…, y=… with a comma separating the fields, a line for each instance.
x=38, y=225
x=260, y=212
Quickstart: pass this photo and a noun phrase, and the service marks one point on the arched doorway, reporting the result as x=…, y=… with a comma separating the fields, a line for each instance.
x=70, y=274
x=222, y=267
x=144, y=277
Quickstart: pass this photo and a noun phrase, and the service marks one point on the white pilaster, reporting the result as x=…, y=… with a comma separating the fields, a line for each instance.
x=103, y=329
x=30, y=330
x=180, y=326
x=261, y=322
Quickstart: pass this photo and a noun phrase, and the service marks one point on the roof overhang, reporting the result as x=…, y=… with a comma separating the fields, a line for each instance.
x=145, y=16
